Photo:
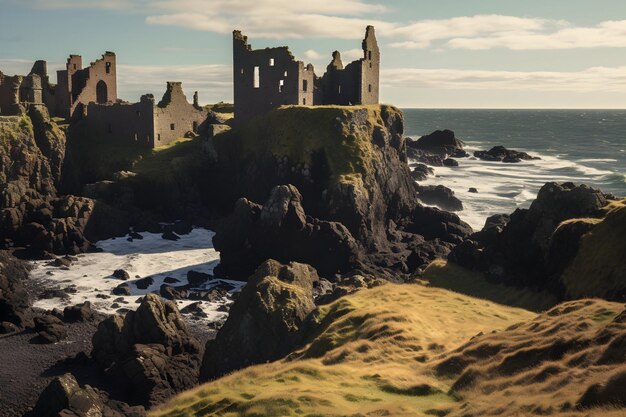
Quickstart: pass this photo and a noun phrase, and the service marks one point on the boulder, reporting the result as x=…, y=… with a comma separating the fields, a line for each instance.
x=421, y=171
x=50, y=329
x=449, y=162
x=14, y=299
x=196, y=278
x=500, y=153
x=79, y=313
x=122, y=289
x=144, y=283
x=281, y=230
x=64, y=397
x=121, y=274
x=266, y=322
x=442, y=142
x=440, y=196
x=149, y=351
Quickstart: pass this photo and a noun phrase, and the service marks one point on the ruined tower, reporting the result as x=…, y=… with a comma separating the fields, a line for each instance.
x=268, y=78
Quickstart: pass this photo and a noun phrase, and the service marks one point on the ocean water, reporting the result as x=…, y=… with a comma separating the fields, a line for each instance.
x=582, y=146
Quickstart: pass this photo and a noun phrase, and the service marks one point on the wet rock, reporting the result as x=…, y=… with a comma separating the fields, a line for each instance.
x=449, y=162
x=122, y=289
x=198, y=278
x=194, y=309
x=14, y=299
x=170, y=235
x=170, y=280
x=443, y=142
x=182, y=227
x=173, y=293
x=267, y=320
x=149, y=352
x=144, y=283
x=79, y=313
x=421, y=172
x=500, y=153
x=472, y=190
x=121, y=274
x=439, y=196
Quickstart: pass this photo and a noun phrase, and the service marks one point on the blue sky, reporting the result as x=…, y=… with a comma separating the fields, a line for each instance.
x=445, y=53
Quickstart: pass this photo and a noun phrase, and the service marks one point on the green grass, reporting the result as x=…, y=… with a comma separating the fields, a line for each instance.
x=370, y=356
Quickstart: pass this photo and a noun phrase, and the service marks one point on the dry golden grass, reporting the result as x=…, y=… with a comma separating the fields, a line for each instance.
x=370, y=358
x=599, y=268
x=446, y=275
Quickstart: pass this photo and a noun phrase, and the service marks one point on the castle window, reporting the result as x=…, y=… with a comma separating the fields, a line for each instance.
x=271, y=62
x=172, y=126
x=242, y=71
x=159, y=137
x=281, y=85
x=257, y=78
x=138, y=113
x=108, y=67
x=339, y=89
x=305, y=85
x=370, y=65
x=135, y=137
x=285, y=73
x=74, y=66
x=304, y=101
x=369, y=88
x=369, y=55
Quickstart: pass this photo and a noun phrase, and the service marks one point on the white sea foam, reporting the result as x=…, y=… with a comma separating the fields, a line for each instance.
x=503, y=187
x=151, y=256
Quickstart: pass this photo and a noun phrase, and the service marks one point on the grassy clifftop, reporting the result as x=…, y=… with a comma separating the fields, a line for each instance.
x=370, y=357
x=297, y=133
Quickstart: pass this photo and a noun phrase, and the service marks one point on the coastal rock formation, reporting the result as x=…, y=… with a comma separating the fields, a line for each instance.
x=15, y=312
x=534, y=247
x=267, y=321
x=440, y=142
x=64, y=397
x=280, y=230
x=149, y=351
x=502, y=154
x=440, y=196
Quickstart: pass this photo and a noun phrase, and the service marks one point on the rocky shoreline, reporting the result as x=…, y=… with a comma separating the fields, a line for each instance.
x=326, y=207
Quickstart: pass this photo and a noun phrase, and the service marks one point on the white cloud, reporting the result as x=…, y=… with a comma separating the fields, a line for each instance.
x=313, y=54
x=596, y=79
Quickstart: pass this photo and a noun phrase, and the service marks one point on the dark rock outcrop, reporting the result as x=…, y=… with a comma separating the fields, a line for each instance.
x=421, y=171
x=64, y=397
x=440, y=196
x=281, y=230
x=15, y=311
x=266, y=322
x=441, y=142
x=532, y=247
x=49, y=329
x=149, y=351
x=502, y=154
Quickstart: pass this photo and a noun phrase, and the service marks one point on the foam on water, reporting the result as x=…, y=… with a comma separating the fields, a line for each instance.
x=151, y=256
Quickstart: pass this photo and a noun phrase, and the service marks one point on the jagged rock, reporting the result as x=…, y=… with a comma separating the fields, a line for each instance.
x=280, y=230
x=121, y=274
x=421, y=172
x=14, y=299
x=64, y=397
x=194, y=309
x=525, y=248
x=170, y=235
x=50, y=329
x=473, y=190
x=79, y=313
x=500, y=153
x=267, y=320
x=149, y=351
x=442, y=142
x=449, y=162
x=173, y=293
x=439, y=196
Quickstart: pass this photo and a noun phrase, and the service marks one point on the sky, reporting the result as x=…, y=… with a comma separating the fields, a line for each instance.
x=435, y=54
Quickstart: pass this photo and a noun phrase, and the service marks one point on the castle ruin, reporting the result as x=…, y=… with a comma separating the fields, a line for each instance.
x=264, y=79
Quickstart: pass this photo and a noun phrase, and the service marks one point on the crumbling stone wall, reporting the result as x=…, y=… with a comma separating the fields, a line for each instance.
x=174, y=116
x=19, y=92
x=124, y=122
x=268, y=78
x=265, y=79
x=144, y=122
x=78, y=86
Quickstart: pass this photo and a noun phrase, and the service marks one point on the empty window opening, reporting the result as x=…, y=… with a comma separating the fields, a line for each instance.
x=305, y=85
x=195, y=127
x=138, y=113
x=285, y=73
x=271, y=62
x=369, y=55
x=281, y=86
x=369, y=88
x=257, y=78
x=242, y=71
x=159, y=137
x=135, y=137
x=304, y=101
x=74, y=66
x=172, y=126
x=108, y=67
x=370, y=65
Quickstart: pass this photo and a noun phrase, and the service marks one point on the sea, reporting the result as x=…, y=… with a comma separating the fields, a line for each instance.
x=581, y=146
